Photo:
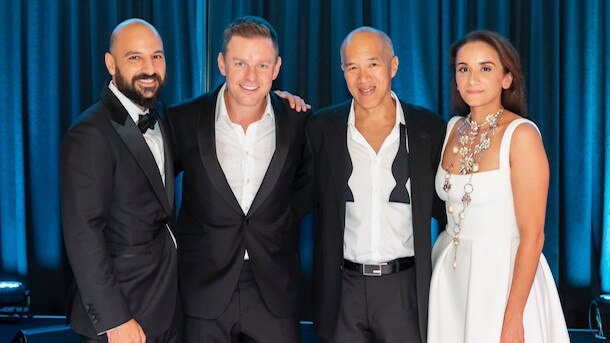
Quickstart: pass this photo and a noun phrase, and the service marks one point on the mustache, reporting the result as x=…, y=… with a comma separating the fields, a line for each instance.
x=142, y=76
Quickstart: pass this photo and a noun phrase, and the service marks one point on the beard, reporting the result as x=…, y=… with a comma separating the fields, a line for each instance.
x=145, y=97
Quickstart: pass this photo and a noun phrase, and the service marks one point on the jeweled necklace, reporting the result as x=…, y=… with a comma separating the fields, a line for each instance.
x=468, y=131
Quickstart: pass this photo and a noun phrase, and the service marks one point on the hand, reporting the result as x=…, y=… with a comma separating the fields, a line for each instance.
x=296, y=103
x=512, y=329
x=128, y=332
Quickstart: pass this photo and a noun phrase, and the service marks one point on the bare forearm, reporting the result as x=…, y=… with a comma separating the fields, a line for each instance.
x=526, y=263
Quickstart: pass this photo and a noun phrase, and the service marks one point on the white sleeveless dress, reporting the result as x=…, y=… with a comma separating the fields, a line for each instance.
x=467, y=302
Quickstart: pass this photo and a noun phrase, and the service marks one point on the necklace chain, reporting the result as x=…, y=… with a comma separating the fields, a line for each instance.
x=470, y=156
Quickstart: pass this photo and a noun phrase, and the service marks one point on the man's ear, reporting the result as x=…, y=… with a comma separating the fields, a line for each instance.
x=276, y=69
x=394, y=64
x=221, y=64
x=110, y=63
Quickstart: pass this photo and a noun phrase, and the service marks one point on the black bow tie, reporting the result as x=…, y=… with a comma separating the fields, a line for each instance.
x=147, y=121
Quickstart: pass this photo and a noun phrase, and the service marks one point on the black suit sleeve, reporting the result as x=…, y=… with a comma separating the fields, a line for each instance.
x=303, y=188
x=438, y=212
x=438, y=205
x=86, y=169
x=172, y=140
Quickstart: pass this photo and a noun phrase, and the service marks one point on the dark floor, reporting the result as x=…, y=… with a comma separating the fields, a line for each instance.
x=38, y=329
x=51, y=329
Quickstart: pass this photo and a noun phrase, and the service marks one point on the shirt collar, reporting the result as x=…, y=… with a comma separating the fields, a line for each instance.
x=221, y=107
x=133, y=109
x=400, y=114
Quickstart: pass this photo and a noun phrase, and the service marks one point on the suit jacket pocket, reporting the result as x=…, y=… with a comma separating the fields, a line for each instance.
x=137, y=263
x=118, y=251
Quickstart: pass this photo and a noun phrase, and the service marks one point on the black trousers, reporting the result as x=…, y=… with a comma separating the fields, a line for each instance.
x=246, y=319
x=380, y=309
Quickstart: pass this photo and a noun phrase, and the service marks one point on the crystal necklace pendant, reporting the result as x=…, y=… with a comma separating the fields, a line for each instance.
x=470, y=155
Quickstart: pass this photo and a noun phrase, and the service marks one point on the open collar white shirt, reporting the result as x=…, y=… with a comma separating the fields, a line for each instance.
x=244, y=156
x=376, y=230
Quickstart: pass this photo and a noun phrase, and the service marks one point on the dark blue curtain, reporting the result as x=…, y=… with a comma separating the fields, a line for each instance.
x=51, y=69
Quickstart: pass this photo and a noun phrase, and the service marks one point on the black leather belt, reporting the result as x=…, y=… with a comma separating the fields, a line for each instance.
x=394, y=266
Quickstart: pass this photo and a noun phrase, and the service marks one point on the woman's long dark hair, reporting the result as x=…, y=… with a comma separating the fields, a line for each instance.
x=513, y=98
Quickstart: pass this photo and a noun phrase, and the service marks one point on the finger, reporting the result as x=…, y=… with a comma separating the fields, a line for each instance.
x=298, y=105
x=288, y=96
x=292, y=102
x=302, y=105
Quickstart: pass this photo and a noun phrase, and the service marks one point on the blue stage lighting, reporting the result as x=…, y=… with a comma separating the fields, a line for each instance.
x=599, y=316
x=14, y=300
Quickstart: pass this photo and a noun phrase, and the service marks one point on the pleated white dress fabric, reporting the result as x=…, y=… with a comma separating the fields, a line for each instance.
x=467, y=302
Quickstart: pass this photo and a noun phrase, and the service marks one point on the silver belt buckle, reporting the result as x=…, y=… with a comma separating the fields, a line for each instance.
x=371, y=269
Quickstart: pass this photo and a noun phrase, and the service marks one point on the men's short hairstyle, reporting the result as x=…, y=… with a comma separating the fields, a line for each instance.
x=387, y=41
x=250, y=27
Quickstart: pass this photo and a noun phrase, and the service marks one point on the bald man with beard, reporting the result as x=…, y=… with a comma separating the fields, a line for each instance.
x=117, y=201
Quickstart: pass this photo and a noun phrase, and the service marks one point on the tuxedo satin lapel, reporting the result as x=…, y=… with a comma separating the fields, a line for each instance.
x=206, y=138
x=335, y=144
x=419, y=164
x=118, y=113
x=282, y=142
x=169, y=165
x=133, y=139
x=422, y=176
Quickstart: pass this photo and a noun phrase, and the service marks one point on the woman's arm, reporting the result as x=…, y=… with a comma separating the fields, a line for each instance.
x=530, y=182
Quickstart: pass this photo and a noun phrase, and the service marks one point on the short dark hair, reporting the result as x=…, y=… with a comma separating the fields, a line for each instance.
x=250, y=27
x=513, y=98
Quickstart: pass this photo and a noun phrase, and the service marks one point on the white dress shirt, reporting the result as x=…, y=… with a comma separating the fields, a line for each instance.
x=244, y=156
x=376, y=230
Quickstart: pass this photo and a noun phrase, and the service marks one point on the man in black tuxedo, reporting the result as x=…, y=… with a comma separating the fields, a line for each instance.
x=117, y=201
x=375, y=160
x=245, y=186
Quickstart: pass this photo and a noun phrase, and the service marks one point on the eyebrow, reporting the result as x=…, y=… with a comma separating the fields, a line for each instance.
x=134, y=52
x=374, y=58
x=246, y=60
x=484, y=62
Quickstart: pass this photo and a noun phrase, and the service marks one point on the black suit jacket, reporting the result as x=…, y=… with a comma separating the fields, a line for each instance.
x=116, y=212
x=328, y=134
x=213, y=231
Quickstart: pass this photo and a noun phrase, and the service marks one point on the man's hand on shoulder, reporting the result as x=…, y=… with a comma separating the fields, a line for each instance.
x=295, y=101
x=128, y=332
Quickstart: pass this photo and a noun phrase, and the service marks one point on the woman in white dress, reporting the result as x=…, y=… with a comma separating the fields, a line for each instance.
x=490, y=281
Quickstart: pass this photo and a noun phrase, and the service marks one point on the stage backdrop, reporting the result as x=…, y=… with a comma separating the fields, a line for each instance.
x=52, y=68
